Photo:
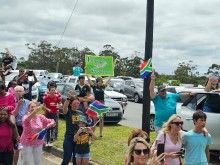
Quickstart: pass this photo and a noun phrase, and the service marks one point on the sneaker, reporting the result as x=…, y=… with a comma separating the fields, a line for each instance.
x=100, y=136
x=47, y=144
x=50, y=144
x=19, y=146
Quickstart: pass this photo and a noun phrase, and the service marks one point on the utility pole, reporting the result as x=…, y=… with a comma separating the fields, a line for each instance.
x=148, y=54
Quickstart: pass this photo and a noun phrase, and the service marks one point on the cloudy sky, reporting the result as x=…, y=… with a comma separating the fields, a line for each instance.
x=183, y=29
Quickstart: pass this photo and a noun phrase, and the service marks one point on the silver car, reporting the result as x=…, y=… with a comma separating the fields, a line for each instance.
x=133, y=89
x=212, y=122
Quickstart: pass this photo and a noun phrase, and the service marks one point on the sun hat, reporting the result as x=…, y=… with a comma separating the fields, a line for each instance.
x=83, y=119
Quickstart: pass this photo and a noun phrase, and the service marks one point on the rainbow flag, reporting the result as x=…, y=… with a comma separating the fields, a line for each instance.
x=97, y=109
x=146, y=68
x=38, y=136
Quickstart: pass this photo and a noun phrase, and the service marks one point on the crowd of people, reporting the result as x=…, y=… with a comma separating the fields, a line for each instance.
x=19, y=120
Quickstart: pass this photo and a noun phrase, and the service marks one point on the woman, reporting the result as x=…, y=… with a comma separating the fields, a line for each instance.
x=136, y=133
x=98, y=90
x=139, y=153
x=7, y=129
x=11, y=86
x=72, y=114
x=212, y=103
x=33, y=123
x=171, y=136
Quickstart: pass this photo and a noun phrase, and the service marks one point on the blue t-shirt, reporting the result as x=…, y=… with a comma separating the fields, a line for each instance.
x=77, y=71
x=195, y=145
x=164, y=108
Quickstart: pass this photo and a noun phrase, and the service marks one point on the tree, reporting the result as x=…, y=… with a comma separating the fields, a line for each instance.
x=213, y=70
x=187, y=73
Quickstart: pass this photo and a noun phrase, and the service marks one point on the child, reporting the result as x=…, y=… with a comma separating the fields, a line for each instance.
x=51, y=102
x=82, y=141
x=195, y=143
x=77, y=69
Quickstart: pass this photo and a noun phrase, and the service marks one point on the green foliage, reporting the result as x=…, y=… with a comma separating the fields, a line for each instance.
x=214, y=70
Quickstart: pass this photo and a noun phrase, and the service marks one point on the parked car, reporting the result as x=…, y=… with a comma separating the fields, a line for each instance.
x=119, y=97
x=41, y=73
x=195, y=103
x=117, y=84
x=42, y=88
x=133, y=89
x=57, y=77
x=14, y=73
x=113, y=116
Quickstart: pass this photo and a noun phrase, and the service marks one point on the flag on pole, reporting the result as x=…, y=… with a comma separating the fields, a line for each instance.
x=97, y=109
x=38, y=136
x=146, y=68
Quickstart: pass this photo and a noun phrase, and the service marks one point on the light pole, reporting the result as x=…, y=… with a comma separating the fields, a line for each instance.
x=148, y=54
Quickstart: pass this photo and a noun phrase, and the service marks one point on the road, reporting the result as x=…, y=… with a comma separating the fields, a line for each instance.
x=47, y=159
x=133, y=115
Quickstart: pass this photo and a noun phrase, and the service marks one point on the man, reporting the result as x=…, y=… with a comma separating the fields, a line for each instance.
x=165, y=104
x=77, y=69
x=27, y=85
x=7, y=62
x=21, y=72
x=20, y=110
x=81, y=91
x=195, y=143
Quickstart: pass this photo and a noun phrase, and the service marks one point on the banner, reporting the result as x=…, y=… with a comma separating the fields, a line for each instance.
x=99, y=65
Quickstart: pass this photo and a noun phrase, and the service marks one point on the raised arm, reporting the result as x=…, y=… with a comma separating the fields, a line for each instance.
x=151, y=86
x=33, y=113
x=67, y=102
x=90, y=81
x=208, y=85
x=35, y=79
x=108, y=81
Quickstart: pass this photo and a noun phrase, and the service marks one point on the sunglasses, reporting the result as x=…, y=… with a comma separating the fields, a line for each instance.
x=144, y=151
x=177, y=123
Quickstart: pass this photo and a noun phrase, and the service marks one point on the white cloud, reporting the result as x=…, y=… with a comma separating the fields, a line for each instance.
x=183, y=30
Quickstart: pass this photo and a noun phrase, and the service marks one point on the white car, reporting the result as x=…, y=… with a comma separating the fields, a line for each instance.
x=120, y=98
x=194, y=103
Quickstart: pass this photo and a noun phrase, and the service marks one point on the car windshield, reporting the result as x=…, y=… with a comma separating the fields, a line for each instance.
x=55, y=75
x=117, y=84
x=9, y=77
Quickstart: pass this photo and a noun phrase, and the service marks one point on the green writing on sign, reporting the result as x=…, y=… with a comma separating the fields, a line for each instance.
x=99, y=65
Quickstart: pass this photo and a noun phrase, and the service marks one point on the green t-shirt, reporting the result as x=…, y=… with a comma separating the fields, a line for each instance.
x=71, y=122
x=82, y=143
x=99, y=91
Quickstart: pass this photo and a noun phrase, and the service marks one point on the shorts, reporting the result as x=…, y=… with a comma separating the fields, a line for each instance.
x=82, y=155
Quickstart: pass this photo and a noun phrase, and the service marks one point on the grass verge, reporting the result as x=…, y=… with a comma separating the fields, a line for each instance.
x=109, y=150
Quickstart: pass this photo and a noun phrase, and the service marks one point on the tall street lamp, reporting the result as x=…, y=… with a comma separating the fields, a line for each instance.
x=148, y=55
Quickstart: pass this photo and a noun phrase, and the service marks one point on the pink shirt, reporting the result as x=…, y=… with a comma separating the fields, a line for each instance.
x=8, y=101
x=169, y=147
x=11, y=90
x=5, y=137
x=31, y=127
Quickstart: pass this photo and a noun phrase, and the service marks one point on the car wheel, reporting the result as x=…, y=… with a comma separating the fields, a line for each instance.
x=152, y=123
x=136, y=98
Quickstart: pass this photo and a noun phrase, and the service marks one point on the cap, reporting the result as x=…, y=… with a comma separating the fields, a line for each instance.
x=161, y=87
x=81, y=76
x=83, y=119
x=98, y=79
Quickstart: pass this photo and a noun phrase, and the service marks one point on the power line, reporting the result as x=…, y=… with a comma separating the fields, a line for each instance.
x=67, y=23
